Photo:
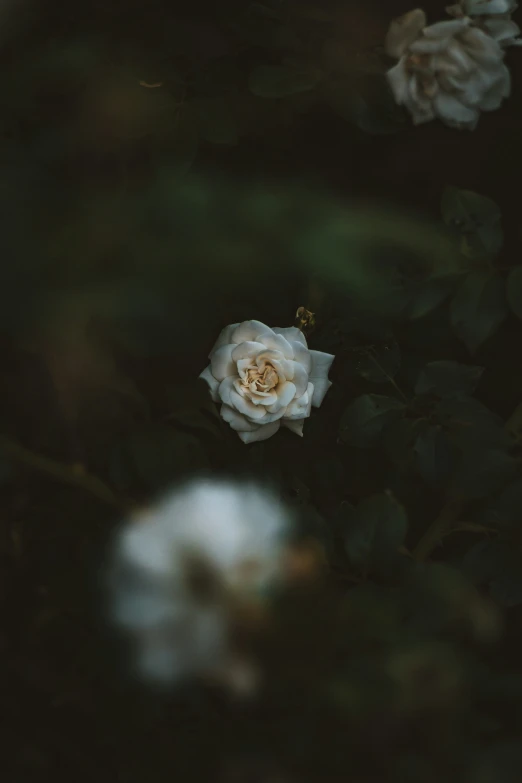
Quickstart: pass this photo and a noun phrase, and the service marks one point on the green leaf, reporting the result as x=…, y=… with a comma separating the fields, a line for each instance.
x=364, y=419
x=400, y=437
x=478, y=308
x=217, y=121
x=428, y=295
x=445, y=378
x=470, y=424
x=481, y=472
x=434, y=455
x=374, y=530
x=498, y=565
x=477, y=218
x=277, y=81
x=505, y=511
x=514, y=290
x=379, y=365
x=370, y=105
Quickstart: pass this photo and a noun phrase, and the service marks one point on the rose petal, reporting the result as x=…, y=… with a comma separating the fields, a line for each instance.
x=248, y=330
x=446, y=29
x=321, y=363
x=300, y=379
x=276, y=342
x=246, y=407
x=285, y=394
x=221, y=362
x=262, y=398
x=236, y=420
x=451, y=111
x=321, y=386
x=247, y=350
x=225, y=389
x=224, y=338
x=294, y=426
x=505, y=31
x=300, y=407
x=283, y=367
x=403, y=31
x=302, y=355
x=261, y=433
x=291, y=333
x=275, y=416
x=398, y=79
x=213, y=383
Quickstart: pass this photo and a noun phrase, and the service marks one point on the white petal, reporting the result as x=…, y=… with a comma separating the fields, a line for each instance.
x=300, y=407
x=292, y=334
x=224, y=338
x=246, y=407
x=283, y=367
x=493, y=98
x=321, y=386
x=505, y=31
x=481, y=46
x=279, y=414
x=484, y=7
x=262, y=433
x=300, y=379
x=446, y=29
x=321, y=363
x=285, y=394
x=262, y=398
x=276, y=342
x=213, y=383
x=294, y=426
x=225, y=388
x=248, y=330
x=236, y=420
x=429, y=45
x=221, y=362
x=403, y=31
x=398, y=80
x=302, y=355
x=451, y=111
x=247, y=350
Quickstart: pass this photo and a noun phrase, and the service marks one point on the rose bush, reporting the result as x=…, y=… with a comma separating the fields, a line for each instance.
x=451, y=70
x=266, y=377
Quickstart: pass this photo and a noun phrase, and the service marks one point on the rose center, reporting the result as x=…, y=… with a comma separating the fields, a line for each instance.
x=260, y=381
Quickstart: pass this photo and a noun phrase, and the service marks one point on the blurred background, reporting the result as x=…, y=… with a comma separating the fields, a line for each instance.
x=169, y=168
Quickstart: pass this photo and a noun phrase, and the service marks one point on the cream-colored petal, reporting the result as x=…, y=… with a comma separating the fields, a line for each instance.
x=285, y=394
x=261, y=433
x=429, y=45
x=321, y=363
x=283, y=367
x=276, y=342
x=246, y=407
x=236, y=420
x=505, y=31
x=224, y=338
x=484, y=7
x=302, y=355
x=300, y=379
x=275, y=416
x=321, y=386
x=293, y=426
x=403, y=31
x=481, y=46
x=247, y=331
x=263, y=398
x=398, y=79
x=213, y=383
x=247, y=350
x=221, y=362
x=446, y=29
x=292, y=334
x=300, y=407
x=226, y=387
x=453, y=113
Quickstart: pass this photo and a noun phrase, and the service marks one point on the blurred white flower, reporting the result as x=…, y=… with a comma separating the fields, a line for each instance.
x=492, y=16
x=183, y=572
x=266, y=377
x=451, y=70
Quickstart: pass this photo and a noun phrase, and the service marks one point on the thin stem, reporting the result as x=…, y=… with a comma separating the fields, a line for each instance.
x=390, y=378
x=437, y=530
x=68, y=475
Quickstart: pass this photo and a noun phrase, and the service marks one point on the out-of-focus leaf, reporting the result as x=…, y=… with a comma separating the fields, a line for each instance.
x=477, y=218
x=400, y=437
x=379, y=365
x=514, y=290
x=434, y=455
x=480, y=472
x=364, y=419
x=470, y=424
x=368, y=104
x=478, y=308
x=217, y=121
x=374, y=530
x=504, y=511
x=277, y=81
x=428, y=295
x=498, y=565
x=445, y=378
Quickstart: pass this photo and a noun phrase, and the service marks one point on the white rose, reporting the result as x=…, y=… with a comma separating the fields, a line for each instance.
x=266, y=377
x=492, y=16
x=450, y=70
x=181, y=571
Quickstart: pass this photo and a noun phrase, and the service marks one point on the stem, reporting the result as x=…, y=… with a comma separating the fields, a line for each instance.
x=437, y=530
x=64, y=473
x=389, y=377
